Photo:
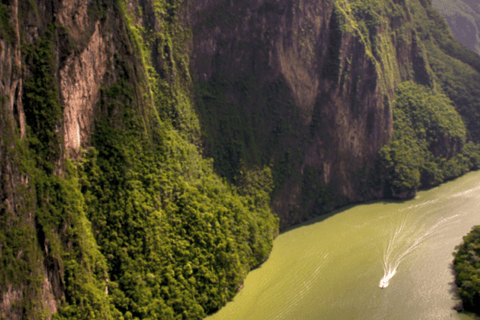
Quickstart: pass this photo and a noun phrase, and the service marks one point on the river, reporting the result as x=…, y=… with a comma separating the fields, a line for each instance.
x=331, y=267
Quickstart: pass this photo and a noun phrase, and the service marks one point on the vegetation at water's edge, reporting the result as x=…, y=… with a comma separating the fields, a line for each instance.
x=428, y=143
x=466, y=265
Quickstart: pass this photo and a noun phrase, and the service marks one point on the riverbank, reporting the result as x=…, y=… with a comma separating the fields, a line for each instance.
x=330, y=267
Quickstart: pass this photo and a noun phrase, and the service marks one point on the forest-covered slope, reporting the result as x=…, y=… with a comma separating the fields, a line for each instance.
x=108, y=210
x=111, y=112
x=463, y=18
x=428, y=143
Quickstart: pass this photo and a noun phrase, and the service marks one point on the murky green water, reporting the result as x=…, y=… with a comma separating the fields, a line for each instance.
x=331, y=268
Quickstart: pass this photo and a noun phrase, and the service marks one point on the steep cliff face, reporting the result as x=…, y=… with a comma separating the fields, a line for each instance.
x=107, y=207
x=279, y=82
x=105, y=201
x=307, y=87
x=53, y=59
x=16, y=207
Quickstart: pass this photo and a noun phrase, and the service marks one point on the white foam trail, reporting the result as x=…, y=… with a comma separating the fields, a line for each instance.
x=419, y=205
x=391, y=261
x=295, y=297
x=464, y=193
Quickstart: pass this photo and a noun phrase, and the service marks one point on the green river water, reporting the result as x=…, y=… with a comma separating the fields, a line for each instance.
x=331, y=267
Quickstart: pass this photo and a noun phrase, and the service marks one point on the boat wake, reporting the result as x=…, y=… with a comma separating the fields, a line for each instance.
x=393, y=254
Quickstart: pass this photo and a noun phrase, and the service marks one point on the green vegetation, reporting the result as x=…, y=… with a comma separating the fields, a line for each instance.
x=60, y=239
x=236, y=136
x=462, y=15
x=43, y=110
x=427, y=146
x=456, y=68
x=323, y=196
x=7, y=31
x=466, y=265
x=49, y=228
x=142, y=215
x=177, y=238
x=365, y=20
x=428, y=143
x=68, y=240
x=248, y=113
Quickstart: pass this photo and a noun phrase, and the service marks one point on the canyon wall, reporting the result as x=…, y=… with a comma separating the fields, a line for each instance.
x=308, y=87
x=111, y=113
x=105, y=199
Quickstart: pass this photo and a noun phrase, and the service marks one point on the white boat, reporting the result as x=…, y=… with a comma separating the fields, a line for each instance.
x=383, y=283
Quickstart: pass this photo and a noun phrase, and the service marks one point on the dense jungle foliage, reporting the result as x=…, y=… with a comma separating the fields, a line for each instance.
x=466, y=264
x=141, y=227
x=438, y=58
x=178, y=240
x=50, y=230
x=428, y=143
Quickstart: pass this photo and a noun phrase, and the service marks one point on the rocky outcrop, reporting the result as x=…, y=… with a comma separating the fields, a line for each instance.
x=80, y=81
x=10, y=69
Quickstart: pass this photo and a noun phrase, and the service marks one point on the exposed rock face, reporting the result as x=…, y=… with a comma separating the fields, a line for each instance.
x=331, y=85
x=12, y=178
x=10, y=296
x=80, y=74
x=11, y=79
x=80, y=81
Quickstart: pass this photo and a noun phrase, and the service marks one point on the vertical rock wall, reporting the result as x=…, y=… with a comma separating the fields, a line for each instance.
x=329, y=83
x=82, y=53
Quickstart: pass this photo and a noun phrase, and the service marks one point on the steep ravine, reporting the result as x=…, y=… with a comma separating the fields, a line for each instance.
x=110, y=114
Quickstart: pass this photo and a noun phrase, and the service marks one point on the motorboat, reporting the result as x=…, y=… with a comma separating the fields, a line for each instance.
x=383, y=283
